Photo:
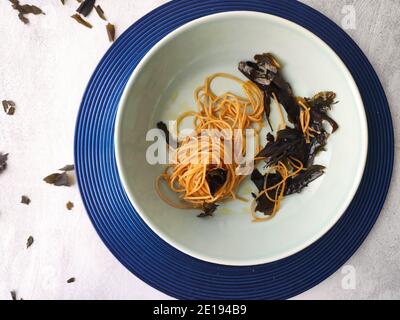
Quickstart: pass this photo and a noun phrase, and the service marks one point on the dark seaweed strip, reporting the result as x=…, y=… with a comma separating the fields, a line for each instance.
x=82, y=21
x=86, y=7
x=25, y=9
x=303, y=179
x=100, y=12
x=25, y=200
x=68, y=167
x=29, y=242
x=216, y=178
x=3, y=161
x=168, y=137
x=208, y=210
x=58, y=179
x=8, y=106
x=110, y=32
x=289, y=143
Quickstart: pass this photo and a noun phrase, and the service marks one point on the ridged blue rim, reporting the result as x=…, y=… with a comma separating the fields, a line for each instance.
x=156, y=262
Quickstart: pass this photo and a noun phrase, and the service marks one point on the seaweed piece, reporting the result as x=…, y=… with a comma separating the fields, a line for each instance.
x=3, y=161
x=168, y=137
x=68, y=167
x=265, y=73
x=265, y=205
x=216, y=178
x=299, y=182
x=71, y=280
x=69, y=205
x=58, y=179
x=29, y=242
x=25, y=9
x=208, y=210
x=82, y=21
x=13, y=294
x=100, y=12
x=289, y=143
x=110, y=32
x=25, y=200
x=63, y=2
x=8, y=106
x=258, y=179
x=86, y=7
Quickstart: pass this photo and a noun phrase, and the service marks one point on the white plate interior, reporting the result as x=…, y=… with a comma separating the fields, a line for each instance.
x=162, y=87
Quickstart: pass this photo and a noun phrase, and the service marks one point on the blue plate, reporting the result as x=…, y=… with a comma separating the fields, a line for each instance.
x=156, y=262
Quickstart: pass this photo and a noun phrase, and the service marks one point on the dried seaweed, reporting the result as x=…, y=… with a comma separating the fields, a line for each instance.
x=71, y=280
x=303, y=179
x=299, y=143
x=289, y=143
x=69, y=205
x=262, y=182
x=58, y=179
x=68, y=167
x=3, y=161
x=25, y=200
x=86, y=7
x=25, y=9
x=63, y=2
x=216, y=178
x=110, y=32
x=168, y=137
x=29, y=242
x=208, y=210
x=265, y=73
x=8, y=107
x=13, y=294
x=100, y=12
x=82, y=21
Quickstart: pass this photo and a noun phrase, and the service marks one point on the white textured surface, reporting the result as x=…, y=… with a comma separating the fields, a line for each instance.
x=44, y=68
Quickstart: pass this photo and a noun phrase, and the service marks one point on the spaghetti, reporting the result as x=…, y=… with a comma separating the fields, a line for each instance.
x=203, y=152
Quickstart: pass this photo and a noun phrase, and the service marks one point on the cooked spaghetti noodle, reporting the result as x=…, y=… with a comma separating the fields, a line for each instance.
x=199, y=153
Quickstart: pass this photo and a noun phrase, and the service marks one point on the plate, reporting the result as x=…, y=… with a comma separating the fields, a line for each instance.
x=162, y=87
x=161, y=265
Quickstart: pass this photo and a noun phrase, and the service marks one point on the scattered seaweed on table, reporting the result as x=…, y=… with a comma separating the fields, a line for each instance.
x=13, y=294
x=68, y=167
x=110, y=32
x=29, y=242
x=58, y=179
x=3, y=161
x=25, y=200
x=24, y=9
x=8, y=107
x=86, y=7
x=100, y=12
x=69, y=205
x=81, y=21
x=71, y=280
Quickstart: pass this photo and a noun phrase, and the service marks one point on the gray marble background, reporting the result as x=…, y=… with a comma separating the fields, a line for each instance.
x=44, y=67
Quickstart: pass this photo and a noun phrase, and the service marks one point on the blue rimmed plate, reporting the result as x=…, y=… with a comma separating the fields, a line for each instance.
x=172, y=271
